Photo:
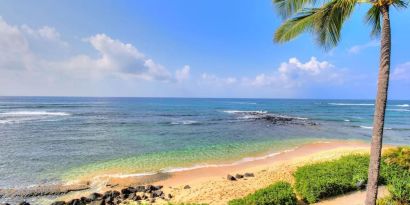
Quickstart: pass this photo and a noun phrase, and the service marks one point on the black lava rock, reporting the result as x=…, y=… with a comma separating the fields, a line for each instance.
x=239, y=176
x=157, y=193
x=231, y=178
x=249, y=174
x=94, y=196
x=140, y=189
x=58, y=203
x=75, y=202
x=98, y=202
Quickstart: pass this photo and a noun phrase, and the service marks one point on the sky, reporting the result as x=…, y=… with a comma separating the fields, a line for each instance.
x=179, y=48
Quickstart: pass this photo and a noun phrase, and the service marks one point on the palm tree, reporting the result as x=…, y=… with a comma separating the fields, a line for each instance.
x=325, y=19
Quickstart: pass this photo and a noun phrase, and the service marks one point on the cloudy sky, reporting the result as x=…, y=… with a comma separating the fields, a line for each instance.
x=178, y=48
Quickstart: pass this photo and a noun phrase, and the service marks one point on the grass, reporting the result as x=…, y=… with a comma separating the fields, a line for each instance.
x=397, y=163
x=325, y=179
x=279, y=193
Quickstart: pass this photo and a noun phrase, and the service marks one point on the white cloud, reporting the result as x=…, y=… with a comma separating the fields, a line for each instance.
x=358, y=48
x=401, y=72
x=295, y=74
x=44, y=33
x=43, y=50
x=183, y=73
x=118, y=58
x=14, y=48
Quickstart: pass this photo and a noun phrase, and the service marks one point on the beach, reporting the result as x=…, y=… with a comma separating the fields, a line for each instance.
x=210, y=184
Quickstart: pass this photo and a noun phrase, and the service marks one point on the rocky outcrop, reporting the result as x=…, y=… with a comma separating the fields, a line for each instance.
x=146, y=194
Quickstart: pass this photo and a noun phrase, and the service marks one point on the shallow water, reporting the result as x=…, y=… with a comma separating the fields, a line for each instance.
x=49, y=139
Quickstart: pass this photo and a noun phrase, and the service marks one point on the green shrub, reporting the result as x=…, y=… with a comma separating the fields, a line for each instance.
x=399, y=156
x=325, y=179
x=280, y=193
x=387, y=201
x=397, y=173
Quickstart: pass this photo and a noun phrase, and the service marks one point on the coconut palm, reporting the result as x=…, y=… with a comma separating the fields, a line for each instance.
x=324, y=19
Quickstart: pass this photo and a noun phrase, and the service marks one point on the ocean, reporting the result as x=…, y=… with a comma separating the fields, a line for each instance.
x=46, y=140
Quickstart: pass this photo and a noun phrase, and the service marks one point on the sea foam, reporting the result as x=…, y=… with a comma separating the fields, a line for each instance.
x=352, y=104
x=185, y=122
x=403, y=105
x=34, y=113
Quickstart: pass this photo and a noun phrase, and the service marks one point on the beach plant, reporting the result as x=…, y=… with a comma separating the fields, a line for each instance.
x=399, y=156
x=279, y=193
x=397, y=169
x=325, y=19
x=325, y=179
x=388, y=201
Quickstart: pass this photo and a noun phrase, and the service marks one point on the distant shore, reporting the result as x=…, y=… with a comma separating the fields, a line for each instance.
x=210, y=184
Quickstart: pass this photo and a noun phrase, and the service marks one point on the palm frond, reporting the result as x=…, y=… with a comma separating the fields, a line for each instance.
x=295, y=26
x=373, y=19
x=325, y=22
x=400, y=4
x=287, y=8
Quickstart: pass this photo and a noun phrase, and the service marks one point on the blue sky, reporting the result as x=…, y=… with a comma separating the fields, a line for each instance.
x=181, y=48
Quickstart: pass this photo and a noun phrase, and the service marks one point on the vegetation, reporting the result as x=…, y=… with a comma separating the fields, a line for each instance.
x=280, y=193
x=325, y=19
x=388, y=201
x=349, y=173
x=399, y=156
x=325, y=179
x=398, y=174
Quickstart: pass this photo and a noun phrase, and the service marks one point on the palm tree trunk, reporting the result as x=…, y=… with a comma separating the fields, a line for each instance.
x=380, y=108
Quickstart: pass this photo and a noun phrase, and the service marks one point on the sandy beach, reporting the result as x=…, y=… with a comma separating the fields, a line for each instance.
x=210, y=185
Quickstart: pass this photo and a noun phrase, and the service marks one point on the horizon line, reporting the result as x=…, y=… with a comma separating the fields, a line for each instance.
x=181, y=97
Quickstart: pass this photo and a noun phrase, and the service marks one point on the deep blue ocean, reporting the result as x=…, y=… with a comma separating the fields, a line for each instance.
x=52, y=139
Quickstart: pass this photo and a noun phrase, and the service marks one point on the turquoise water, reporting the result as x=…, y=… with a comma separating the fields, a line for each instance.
x=50, y=139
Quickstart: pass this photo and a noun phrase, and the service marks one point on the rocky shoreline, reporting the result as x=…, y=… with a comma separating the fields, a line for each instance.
x=140, y=193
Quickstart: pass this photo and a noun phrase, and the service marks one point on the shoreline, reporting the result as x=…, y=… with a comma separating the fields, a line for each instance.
x=209, y=184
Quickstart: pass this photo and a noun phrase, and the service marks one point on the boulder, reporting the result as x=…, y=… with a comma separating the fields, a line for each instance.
x=111, y=194
x=94, y=196
x=158, y=187
x=140, y=189
x=128, y=190
x=231, y=178
x=75, y=202
x=85, y=200
x=157, y=193
x=132, y=195
x=136, y=198
x=58, y=203
x=170, y=196
x=187, y=187
x=249, y=174
x=24, y=203
x=239, y=176
x=98, y=202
